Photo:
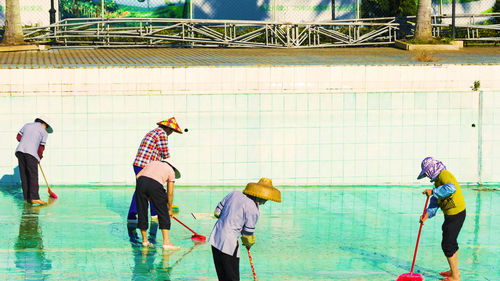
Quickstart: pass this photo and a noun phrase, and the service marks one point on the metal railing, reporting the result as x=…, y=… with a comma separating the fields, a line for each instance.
x=473, y=27
x=184, y=32
x=128, y=32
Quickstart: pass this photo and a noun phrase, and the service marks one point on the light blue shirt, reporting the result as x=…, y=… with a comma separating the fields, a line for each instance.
x=439, y=192
x=238, y=215
x=33, y=135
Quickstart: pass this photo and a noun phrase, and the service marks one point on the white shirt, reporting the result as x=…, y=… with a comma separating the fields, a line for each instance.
x=33, y=135
x=238, y=215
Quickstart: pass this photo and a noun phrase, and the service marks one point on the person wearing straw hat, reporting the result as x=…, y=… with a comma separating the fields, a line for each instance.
x=448, y=196
x=154, y=146
x=237, y=216
x=32, y=139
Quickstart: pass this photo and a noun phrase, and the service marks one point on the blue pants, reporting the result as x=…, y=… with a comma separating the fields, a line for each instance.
x=132, y=211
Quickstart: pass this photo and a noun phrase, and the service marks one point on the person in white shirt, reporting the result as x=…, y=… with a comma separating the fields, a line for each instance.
x=237, y=216
x=32, y=139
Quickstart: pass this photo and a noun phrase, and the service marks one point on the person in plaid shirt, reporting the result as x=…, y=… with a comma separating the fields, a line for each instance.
x=154, y=146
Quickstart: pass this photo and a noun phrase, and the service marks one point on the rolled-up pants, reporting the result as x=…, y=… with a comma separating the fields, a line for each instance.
x=28, y=170
x=451, y=228
x=149, y=188
x=132, y=210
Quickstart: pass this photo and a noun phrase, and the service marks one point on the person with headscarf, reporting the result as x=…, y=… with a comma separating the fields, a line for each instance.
x=237, y=216
x=154, y=146
x=32, y=139
x=448, y=196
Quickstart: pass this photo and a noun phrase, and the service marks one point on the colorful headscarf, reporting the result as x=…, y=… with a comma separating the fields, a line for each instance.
x=431, y=168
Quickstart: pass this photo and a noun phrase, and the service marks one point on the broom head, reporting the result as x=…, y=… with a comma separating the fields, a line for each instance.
x=410, y=277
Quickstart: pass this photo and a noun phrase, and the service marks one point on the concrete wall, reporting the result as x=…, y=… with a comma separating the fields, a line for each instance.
x=297, y=125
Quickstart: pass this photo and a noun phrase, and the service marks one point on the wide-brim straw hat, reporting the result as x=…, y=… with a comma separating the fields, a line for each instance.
x=263, y=189
x=48, y=129
x=171, y=123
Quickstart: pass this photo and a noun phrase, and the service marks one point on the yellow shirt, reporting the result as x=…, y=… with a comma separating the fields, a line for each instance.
x=454, y=203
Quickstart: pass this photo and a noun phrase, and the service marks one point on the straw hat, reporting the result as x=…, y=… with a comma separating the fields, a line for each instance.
x=171, y=123
x=263, y=189
x=49, y=128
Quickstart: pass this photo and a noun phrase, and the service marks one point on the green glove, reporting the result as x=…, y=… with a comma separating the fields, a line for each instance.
x=248, y=240
x=216, y=215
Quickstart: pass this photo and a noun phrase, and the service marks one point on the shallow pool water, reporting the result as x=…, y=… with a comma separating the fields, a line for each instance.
x=317, y=233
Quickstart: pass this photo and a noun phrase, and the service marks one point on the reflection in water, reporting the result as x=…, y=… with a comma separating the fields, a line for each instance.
x=30, y=254
x=475, y=251
x=144, y=257
x=145, y=267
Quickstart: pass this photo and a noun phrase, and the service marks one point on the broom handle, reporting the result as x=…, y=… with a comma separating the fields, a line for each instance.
x=184, y=225
x=46, y=182
x=418, y=238
x=251, y=263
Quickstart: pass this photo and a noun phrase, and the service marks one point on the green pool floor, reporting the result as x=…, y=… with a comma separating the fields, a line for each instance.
x=317, y=233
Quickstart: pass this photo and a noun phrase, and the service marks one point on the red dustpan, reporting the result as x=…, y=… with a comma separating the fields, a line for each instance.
x=414, y=276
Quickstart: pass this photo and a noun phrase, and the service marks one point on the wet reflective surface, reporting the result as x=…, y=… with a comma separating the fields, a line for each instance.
x=351, y=233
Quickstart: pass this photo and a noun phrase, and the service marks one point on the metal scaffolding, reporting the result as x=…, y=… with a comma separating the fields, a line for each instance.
x=136, y=32
x=212, y=33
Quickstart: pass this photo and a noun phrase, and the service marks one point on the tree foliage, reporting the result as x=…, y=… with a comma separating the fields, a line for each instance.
x=496, y=9
x=85, y=8
x=388, y=8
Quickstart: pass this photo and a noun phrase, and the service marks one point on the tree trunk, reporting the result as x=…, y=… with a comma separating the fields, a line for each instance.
x=13, y=27
x=423, y=29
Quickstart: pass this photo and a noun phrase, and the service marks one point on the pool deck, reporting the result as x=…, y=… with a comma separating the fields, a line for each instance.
x=189, y=57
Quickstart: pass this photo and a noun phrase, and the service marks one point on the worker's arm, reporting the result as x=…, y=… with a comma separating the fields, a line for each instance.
x=170, y=196
x=41, y=148
x=444, y=190
x=220, y=206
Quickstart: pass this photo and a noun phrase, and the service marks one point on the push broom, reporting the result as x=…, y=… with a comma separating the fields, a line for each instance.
x=414, y=276
x=51, y=194
x=195, y=237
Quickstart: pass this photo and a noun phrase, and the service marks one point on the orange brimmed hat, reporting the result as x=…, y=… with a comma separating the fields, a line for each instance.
x=171, y=123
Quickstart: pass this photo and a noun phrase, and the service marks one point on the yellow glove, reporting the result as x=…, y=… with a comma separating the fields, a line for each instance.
x=248, y=240
x=216, y=215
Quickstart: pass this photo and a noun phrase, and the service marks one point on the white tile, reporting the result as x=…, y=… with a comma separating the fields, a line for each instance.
x=314, y=102
x=300, y=80
x=302, y=102
x=276, y=78
x=263, y=77
x=179, y=79
x=192, y=103
x=205, y=103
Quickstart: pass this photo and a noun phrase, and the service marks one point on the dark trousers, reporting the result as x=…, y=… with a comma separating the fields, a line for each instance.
x=132, y=210
x=28, y=170
x=149, y=188
x=227, y=267
x=451, y=228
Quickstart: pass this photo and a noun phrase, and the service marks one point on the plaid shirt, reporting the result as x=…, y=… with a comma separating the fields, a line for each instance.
x=153, y=147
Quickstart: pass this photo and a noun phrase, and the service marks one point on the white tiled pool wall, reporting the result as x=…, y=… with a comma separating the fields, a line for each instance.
x=304, y=125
